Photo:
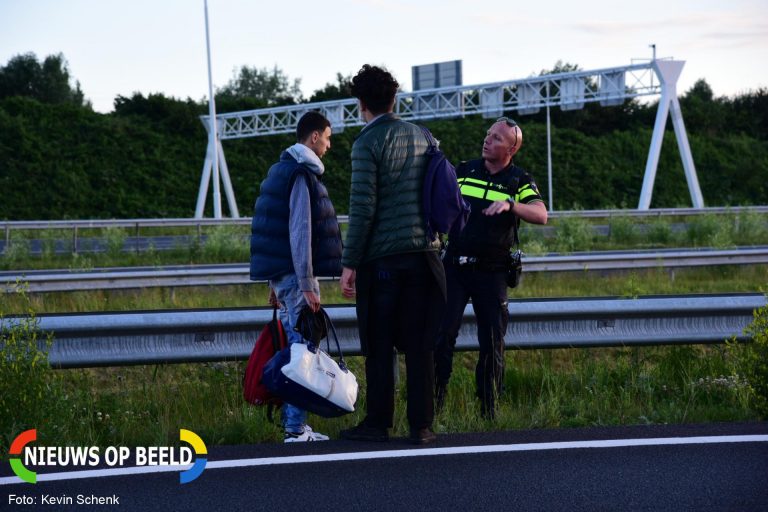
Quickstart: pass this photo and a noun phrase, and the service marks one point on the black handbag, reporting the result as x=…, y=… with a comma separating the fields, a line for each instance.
x=515, y=268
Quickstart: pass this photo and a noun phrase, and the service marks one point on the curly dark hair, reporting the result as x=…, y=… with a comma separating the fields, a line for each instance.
x=376, y=88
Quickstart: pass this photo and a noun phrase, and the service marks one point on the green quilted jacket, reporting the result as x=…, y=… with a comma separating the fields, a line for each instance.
x=386, y=215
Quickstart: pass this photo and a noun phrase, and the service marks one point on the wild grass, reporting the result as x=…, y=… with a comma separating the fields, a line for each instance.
x=146, y=405
x=543, y=388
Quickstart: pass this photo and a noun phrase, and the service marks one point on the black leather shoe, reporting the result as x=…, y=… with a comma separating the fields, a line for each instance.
x=423, y=436
x=363, y=432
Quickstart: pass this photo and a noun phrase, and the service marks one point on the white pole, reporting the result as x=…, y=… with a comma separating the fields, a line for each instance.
x=653, y=152
x=549, y=156
x=668, y=72
x=212, y=126
x=685, y=152
x=228, y=191
x=204, y=179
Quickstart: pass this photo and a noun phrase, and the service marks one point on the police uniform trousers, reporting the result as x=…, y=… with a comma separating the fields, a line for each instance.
x=488, y=291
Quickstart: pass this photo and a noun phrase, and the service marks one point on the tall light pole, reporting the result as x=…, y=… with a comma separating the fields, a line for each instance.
x=213, y=128
x=214, y=157
x=549, y=156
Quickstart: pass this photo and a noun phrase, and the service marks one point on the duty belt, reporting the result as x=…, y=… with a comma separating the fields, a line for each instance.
x=475, y=263
x=464, y=260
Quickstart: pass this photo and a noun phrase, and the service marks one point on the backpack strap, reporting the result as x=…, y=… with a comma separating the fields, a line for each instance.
x=276, y=338
x=433, y=144
x=270, y=413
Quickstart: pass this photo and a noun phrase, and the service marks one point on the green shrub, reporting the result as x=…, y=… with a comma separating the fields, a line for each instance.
x=533, y=247
x=622, y=230
x=710, y=231
x=751, y=228
x=114, y=238
x=751, y=360
x=80, y=262
x=225, y=244
x=573, y=234
x=17, y=250
x=28, y=386
x=659, y=232
x=48, y=244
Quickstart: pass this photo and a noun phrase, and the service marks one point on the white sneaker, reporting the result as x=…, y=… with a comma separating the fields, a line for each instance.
x=307, y=435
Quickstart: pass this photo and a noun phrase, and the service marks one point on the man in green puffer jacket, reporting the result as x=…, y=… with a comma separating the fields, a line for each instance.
x=389, y=262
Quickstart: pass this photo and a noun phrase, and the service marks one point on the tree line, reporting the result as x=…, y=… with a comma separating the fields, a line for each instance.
x=61, y=160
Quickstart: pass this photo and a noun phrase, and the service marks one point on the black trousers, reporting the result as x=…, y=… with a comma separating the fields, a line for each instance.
x=488, y=291
x=402, y=297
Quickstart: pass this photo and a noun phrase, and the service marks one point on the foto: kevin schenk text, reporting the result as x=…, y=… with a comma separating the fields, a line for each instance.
x=50, y=499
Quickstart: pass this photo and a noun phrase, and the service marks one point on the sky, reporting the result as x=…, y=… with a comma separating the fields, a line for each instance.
x=118, y=47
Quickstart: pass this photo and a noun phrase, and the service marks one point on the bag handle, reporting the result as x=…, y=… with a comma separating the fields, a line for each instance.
x=275, y=330
x=332, y=329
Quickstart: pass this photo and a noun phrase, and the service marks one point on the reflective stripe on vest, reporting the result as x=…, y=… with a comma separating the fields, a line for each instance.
x=480, y=189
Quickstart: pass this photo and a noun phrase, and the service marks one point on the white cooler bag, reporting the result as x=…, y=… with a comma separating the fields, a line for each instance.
x=318, y=373
x=308, y=378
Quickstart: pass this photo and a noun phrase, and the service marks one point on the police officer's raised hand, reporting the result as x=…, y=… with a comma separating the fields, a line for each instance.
x=498, y=207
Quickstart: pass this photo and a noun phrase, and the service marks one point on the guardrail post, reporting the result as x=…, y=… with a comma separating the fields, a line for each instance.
x=7, y=237
x=137, y=238
x=74, y=240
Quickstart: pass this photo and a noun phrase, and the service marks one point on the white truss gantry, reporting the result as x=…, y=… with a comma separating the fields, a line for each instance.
x=609, y=86
x=569, y=91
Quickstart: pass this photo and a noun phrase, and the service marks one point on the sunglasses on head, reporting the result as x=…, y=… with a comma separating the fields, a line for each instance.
x=512, y=124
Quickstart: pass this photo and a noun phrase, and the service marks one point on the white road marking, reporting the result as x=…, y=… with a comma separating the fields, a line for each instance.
x=392, y=454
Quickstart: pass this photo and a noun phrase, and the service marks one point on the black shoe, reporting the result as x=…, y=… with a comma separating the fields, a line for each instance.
x=363, y=432
x=423, y=436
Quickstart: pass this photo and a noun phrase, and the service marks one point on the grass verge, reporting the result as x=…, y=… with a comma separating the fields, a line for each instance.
x=147, y=405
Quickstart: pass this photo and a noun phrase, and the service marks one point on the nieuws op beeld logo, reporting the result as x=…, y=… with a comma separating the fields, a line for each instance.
x=22, y=456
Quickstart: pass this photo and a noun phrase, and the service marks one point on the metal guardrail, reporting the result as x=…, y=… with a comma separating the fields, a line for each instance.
x=138, y=224
x=141, y=244
x=138, y=243
x=238, y=274
x=154, y=337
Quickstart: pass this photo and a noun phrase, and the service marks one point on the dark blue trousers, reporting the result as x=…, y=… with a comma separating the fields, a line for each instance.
x=488, y=291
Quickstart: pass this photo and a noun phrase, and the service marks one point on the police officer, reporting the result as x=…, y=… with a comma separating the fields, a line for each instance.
x=500, y=194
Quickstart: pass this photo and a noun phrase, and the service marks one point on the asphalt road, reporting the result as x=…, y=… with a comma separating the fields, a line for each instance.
x=677, y=468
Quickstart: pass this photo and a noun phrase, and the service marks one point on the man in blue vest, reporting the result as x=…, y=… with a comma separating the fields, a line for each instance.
x=295, y=238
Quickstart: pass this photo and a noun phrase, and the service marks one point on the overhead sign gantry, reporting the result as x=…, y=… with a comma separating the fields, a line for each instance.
x=569, y=91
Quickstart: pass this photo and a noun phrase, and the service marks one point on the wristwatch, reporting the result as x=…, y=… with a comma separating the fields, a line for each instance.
x=511, y=202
